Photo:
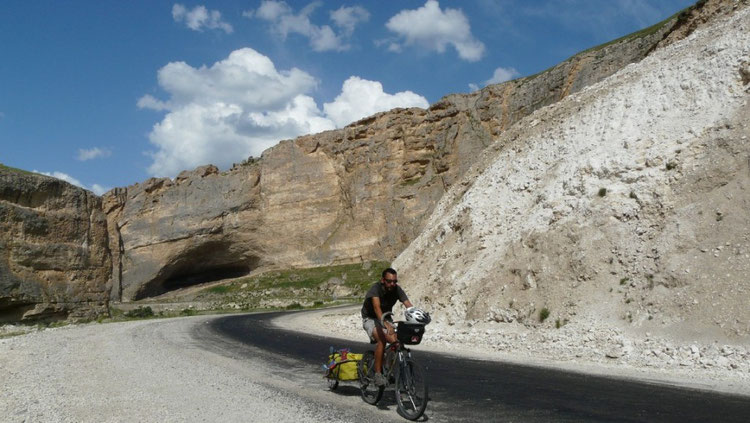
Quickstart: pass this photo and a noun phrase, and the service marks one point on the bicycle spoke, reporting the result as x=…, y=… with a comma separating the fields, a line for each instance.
x=414, y=406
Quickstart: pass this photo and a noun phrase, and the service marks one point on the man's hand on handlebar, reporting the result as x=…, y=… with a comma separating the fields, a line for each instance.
x=389, y=328
x=386, y=322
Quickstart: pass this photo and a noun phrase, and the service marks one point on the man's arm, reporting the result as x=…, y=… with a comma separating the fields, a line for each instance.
x=379, y=313
x=376, y=307
x=408, y=304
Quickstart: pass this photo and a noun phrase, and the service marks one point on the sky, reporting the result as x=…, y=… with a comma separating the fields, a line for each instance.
x=106, y=93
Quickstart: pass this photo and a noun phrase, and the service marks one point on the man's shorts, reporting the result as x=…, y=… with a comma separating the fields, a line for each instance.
x=369, y=323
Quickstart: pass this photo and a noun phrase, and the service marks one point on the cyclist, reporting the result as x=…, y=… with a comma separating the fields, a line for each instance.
x=380, y=299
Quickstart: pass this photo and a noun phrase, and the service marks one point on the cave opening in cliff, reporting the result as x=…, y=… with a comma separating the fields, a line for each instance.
x=28, y=313
x=11, y=313
x=208, y=262
x=190, y=276
x=209, y=275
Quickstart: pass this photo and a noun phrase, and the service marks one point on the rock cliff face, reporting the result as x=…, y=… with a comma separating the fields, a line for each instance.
x=358, y=193
x=54, y=257
x=623, y=205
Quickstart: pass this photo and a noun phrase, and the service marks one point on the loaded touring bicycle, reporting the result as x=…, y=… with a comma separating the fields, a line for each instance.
x=399, y=368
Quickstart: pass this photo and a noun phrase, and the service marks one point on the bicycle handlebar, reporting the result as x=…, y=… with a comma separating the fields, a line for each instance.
x=383, y=316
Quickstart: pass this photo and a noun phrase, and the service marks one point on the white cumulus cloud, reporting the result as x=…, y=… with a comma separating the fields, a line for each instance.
x=238, y=107
x=223, y=113
x=60, y=175
x=92, y=153
x=199, y=18
x=150, y=102
x=499, y=76
x=99, y=189
x=285, y=21
x=96, y=188
x=360, y=98
x=502, y=75
x=347, y=18
x=434, y=29
x=246, y=78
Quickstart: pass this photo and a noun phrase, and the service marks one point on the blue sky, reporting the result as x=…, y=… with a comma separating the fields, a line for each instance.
x=109, y=93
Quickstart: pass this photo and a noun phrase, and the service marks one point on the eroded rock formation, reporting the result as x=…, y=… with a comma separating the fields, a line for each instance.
x=54, y=258
x=624, y=205
x=358, y=193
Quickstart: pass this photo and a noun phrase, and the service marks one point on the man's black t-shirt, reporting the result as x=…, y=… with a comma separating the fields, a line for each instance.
x=387, y=299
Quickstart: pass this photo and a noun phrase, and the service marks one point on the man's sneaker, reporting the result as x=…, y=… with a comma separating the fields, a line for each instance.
x=379, y=379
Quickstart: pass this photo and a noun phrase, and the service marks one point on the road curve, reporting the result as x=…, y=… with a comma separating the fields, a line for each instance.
x=474, y=390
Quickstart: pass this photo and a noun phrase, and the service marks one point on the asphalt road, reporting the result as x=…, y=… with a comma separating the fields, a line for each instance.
x=473, y=390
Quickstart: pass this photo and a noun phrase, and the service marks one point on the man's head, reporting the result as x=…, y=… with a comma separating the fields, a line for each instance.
x=389, y=279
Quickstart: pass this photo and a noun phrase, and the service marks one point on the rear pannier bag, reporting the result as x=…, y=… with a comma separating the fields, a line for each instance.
x=410, y=333
x=342, y=365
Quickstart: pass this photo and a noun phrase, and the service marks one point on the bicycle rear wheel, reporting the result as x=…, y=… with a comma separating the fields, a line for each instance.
x=371, y=393
x=411, y=390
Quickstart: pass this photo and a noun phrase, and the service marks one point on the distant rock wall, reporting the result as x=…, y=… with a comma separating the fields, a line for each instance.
x=54, y=257
x=357, y=193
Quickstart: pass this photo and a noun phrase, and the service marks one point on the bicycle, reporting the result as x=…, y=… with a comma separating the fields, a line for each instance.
x=399, y=369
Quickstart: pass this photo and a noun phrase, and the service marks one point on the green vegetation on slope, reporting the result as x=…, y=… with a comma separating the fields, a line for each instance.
x=357, y=276
x=289, y=289
x=311, y=287
x=681, y=15
x=13, y=169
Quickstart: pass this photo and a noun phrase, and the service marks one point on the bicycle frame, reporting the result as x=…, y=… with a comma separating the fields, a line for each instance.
x=400, y=353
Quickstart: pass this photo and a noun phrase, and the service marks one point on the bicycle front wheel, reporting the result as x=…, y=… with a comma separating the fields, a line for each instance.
x=411, y=390
x=371, y=393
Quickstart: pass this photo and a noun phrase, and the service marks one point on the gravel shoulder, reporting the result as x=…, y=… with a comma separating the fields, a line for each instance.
x=155, y=370
x=566, y=349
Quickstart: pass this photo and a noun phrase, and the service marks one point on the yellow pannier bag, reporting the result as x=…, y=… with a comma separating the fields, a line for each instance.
x=342, y=365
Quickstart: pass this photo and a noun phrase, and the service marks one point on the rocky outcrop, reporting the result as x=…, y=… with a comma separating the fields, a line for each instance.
x=54, y=258
x=166, y=233
x=358, y=193
x=624, y=205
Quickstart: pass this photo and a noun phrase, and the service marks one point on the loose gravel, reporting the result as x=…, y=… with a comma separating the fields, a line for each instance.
x=156, y=370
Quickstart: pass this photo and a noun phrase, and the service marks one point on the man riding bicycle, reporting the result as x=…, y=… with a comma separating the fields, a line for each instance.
x=380, y=299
